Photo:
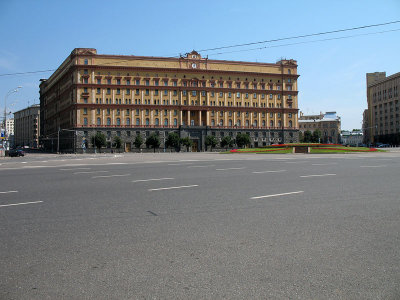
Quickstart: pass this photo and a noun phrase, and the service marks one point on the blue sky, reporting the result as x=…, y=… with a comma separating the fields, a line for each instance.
x=39, y=35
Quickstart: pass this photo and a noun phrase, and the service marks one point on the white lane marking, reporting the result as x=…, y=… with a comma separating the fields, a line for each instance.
x=90, y=172
x=74, y=169
x=174, y=187
x=24, y=162
x=8, y=192
x=379, y=166
x=117, y=163
x=23, y=203
x=230, y=169
x=107, y=176
x=205, y=166
x=295, y=162
x=188, y=160
x=180, y=164
x=327, y=164
x=317, y=175
x=261, y=172
x=276, y=195
x=153, y=179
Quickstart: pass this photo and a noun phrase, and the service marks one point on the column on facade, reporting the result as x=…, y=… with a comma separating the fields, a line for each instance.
x=180, y=118
x=200, y=121
x=142, y=117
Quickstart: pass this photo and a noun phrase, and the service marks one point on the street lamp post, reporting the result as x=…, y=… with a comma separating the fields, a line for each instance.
x=14, y=90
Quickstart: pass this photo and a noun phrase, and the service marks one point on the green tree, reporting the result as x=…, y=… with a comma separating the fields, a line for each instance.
x=226, y=142
x=187, y=142
x=308, y=138
x=242, y=139
x=301, y=137
x=316, y=136
x=99, y=140
x=138, y=141
x=210, y=141
x=118, y=142
x=172, y=140
x=153, y=141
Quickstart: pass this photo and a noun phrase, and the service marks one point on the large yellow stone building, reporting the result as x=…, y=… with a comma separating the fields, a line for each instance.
x=194, y=96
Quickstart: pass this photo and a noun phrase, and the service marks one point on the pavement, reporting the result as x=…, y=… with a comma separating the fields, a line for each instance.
x=200, y=226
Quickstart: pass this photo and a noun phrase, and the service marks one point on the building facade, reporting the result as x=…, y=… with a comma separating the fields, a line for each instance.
x=329, y=124
x=194, y=96
x=353, y=138
x=27, y=127
x=10, y=131
x=383, y=108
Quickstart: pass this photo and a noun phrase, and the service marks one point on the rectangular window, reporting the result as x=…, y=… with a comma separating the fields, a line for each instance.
x=108, y=91
x=85, y=80
x=98, y=81
x=128, y=91
x=255, y=96
x=128, y=82
x=194, y=93
x=98, y=111
x=147, y=92
x=230, y=95
x=203, y=93
x=184, y=93
x=175, y=83
x=85, y=111
x=109, y=81
x=175, y=92
x=165, y=93
x=98, y=91
x=156, y=82
x=118, y=91
x=118, y=81
x=155, y=92
x=137, y=82
x=137, y=92
x=147, y=82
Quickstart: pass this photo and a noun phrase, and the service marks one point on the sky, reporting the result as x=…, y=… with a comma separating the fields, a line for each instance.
x=39, y=35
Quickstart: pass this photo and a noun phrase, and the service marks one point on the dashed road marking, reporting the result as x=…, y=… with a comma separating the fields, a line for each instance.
x=174, y=187
x=90, y=172
x=153, y=179
x=261, y=172
x=276, y=195
x=317, y=175
x=8, y=192
x=230, y=169
x=108, y=176
x=23, y=203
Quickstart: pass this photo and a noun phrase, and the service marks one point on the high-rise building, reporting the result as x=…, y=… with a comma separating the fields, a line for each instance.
x=383, y=108
x=192, y=95
x=27, y=127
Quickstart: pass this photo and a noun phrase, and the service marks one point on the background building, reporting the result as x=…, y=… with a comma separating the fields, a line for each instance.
x=329, y=124
x=27, y=127
x=352, y=138
x=383, y=108
x=128, y=96
x=10, y=131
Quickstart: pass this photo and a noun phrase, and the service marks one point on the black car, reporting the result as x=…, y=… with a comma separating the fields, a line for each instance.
x=16, y=152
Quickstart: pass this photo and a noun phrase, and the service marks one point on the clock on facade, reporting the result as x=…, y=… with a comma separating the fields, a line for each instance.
x=194, y=66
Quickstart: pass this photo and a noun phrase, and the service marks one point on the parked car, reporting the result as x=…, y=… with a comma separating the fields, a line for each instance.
x=16, y=152
x=383, y=145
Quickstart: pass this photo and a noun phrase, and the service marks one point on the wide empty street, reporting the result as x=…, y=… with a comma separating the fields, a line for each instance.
x=200, y=226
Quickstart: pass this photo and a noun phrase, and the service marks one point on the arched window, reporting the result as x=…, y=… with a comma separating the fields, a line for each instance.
x=221, y=122
x=175, y=122
x=147, y=122
x=98, y=121
x=108, y=121
x=239, y=123
x=137, y=121
x=279, y=124
x=263, y=123
x=247, y=123
x=290, y=124
x=271, y=123
x=85, y=62
x=230, y=123
x=118, y=121
x=157, y=121
x=85, y=122
x=255, y=123
x=128, y=121
x=166, y=122
x=213, y=122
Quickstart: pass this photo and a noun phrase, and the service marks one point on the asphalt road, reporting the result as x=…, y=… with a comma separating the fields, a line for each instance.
x=200, y=226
